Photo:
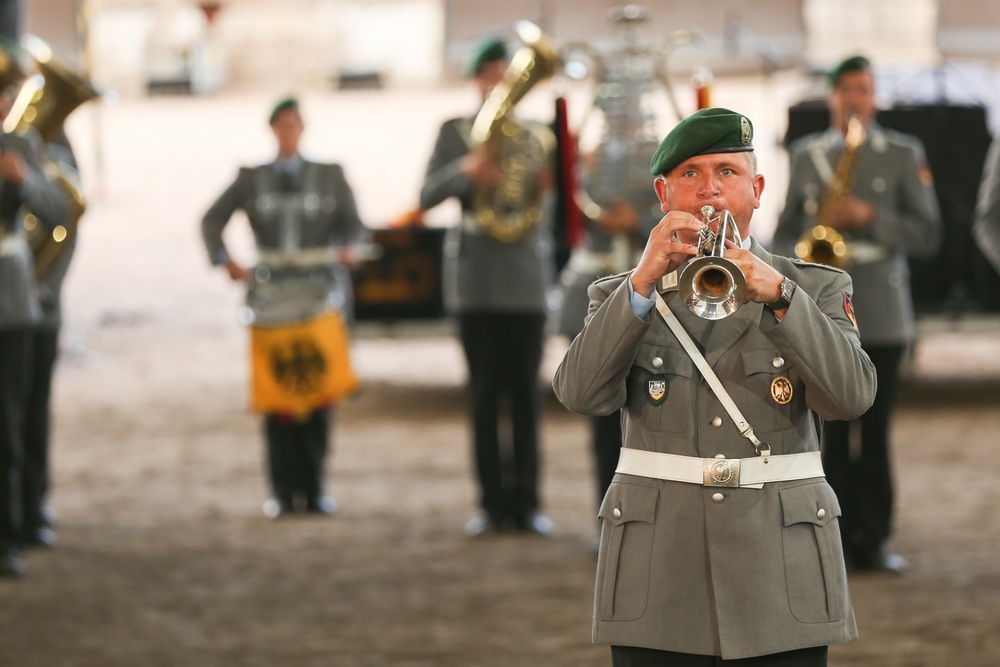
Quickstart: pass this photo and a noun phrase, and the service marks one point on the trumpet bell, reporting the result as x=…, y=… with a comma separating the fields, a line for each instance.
x=712, y=287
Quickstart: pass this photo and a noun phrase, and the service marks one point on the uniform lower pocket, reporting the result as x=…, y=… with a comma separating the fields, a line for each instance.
x=627, y=514
x=814, y=557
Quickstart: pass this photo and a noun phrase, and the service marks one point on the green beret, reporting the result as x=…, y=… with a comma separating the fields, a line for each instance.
x=714, y=130
x=486, y=52
x=283, y=104
x=852, y=64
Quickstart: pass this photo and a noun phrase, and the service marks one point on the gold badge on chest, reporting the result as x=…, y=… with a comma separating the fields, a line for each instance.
x=781, y=390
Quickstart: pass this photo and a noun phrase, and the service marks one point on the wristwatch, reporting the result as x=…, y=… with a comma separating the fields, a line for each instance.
x=785, y=300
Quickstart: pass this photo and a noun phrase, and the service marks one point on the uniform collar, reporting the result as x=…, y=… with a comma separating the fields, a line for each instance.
x=291, y=165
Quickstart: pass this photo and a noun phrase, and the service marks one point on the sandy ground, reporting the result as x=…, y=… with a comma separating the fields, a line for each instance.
x=165, y=559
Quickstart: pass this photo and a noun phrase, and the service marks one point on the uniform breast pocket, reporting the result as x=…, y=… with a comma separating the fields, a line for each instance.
x=814, y=557
x=627, y=516
x=772, y=391
x=659, y=389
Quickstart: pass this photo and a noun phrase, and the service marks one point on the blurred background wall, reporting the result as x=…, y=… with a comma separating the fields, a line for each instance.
x=135, y=46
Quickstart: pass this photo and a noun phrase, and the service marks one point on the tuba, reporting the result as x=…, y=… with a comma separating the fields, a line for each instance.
x=711, y=286
x=514, y=207
x=620, y=163
x=617, y=169
x=42, y=104
x=823, y=244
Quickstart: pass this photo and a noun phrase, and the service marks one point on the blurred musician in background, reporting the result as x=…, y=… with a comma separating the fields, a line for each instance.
x=872, y=186
x=495, y=285
x=617, y=206
x=306, y=227
x=25, y=190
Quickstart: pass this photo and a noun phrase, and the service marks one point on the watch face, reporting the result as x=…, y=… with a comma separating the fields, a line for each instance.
x=787, y=290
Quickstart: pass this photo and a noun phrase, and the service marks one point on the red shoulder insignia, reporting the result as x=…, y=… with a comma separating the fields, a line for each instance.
x=849, y=309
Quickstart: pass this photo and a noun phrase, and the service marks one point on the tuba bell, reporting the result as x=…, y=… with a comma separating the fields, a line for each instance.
x=514, y=207
x=711, y=286
x=823, y=244
x=43, y=102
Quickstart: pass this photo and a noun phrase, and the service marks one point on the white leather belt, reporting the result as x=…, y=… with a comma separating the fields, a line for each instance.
x=13, y=244
x=747, y=473
x=865, y=252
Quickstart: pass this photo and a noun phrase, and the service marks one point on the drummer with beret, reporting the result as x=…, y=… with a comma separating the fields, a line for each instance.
x=294, y=205
x=719, y=539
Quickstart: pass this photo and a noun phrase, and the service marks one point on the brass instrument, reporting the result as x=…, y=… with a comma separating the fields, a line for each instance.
x=823, y=244
x=619, y=168
x=711, y=286
x=514, y=207
x=42, y=104
x=11, y=72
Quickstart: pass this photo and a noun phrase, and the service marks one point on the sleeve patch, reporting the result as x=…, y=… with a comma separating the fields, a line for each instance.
x=849, y=310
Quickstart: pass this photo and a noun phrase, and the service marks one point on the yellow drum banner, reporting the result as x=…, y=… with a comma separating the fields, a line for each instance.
x=298, y=368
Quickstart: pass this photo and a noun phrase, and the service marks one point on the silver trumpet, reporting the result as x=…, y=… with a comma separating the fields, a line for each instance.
x=711, y=286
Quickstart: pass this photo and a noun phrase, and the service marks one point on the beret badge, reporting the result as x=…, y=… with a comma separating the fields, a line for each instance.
x=745, y=134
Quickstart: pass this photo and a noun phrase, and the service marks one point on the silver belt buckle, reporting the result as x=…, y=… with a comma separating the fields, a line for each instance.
x=721, y=472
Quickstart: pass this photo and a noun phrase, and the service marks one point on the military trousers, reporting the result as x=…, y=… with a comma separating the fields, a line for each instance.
x=15, y=350
x=504, y=352
x=36, y=476
x=631, y=656
x=606, y=434
x=856, y=459
x=296, y=453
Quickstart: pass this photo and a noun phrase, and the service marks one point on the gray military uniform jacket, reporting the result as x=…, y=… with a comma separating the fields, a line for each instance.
x=986, y=226
x=19, y=306
x=732, y=572
x=325, y=213
x=481, y=274
x=51, y=283
x=907, y=222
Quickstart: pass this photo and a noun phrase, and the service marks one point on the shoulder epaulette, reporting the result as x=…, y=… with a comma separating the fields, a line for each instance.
x=614, y=277
x=802, y=263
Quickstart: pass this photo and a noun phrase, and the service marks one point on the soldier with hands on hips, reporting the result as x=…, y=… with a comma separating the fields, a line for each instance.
x=720, y=536
x=306, y=228
x=887, y=212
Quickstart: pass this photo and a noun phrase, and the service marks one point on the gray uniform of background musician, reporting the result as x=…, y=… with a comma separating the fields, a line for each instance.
x=708, y=571
x=986, y=227
x=891, y=213
x=333, y=220
x=20, y=313
x=907, y=223
x=480, y=272
x=37, y=478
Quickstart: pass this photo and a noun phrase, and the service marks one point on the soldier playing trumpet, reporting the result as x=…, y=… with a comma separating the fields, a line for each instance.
x=718, y=541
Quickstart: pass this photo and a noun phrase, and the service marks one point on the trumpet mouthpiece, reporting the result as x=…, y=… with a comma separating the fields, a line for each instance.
x=707, y=211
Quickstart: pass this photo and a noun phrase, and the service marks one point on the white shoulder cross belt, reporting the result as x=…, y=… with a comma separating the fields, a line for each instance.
x=753, y=472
